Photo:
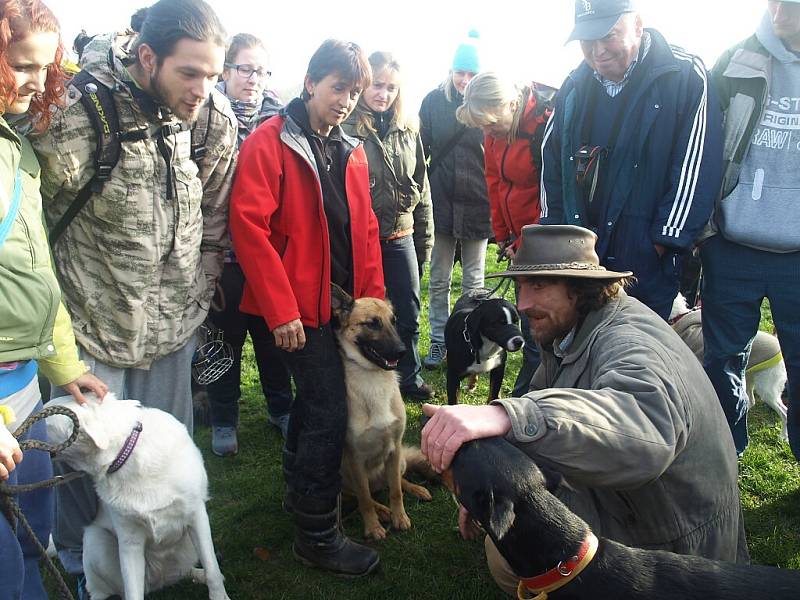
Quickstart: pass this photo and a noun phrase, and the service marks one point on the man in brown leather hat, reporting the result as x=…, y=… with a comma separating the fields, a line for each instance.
x=619, y=406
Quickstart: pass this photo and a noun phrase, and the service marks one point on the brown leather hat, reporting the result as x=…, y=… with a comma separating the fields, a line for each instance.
x=558, y=251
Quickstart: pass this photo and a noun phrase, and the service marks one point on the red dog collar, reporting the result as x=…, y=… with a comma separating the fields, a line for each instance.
x=559, y=576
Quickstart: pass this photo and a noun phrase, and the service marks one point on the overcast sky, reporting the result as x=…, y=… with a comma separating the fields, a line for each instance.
x=523, y=38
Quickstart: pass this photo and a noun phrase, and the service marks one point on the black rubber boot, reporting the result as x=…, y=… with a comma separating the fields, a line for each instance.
x=319, y=541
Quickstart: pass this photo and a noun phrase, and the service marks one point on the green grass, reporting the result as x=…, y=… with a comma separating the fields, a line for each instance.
x=431, y=560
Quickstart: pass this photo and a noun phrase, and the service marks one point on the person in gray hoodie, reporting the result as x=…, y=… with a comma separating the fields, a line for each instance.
x=753, y=251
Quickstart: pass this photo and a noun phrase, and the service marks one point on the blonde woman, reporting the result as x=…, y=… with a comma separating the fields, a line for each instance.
x=458, y=192
x=512, y=119
x=401, y=200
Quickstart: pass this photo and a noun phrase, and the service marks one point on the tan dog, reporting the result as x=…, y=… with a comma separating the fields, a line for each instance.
x=374, y=456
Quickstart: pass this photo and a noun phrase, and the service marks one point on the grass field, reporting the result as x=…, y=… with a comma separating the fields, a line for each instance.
x=254, y=535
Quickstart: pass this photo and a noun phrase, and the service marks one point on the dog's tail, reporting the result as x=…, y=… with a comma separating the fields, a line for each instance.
x=417, y=464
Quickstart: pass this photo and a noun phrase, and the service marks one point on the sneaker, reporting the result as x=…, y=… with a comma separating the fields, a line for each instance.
x=420, y=392
x=223, y=441
x=436, y=355
x=281, y=422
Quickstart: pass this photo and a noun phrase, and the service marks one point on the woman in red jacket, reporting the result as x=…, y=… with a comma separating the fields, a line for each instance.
x=301, y=219
x=513, y=120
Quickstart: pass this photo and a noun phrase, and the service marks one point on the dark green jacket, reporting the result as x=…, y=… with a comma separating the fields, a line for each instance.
x=398, y=181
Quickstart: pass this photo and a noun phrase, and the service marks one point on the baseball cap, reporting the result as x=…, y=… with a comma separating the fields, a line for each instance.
x=595, y=18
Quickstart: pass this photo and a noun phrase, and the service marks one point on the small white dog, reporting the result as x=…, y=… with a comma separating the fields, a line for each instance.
x=765, y=376
x=151, y=526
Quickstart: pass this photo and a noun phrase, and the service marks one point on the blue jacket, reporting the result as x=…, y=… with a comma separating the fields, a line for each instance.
x=664, y=173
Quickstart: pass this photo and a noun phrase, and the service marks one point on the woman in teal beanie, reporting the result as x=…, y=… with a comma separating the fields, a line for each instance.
x=458, y=191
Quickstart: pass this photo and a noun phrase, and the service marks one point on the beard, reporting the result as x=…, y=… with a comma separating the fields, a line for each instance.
x=162, y=95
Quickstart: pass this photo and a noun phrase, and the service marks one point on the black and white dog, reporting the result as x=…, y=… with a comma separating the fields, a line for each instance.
x=478, y=333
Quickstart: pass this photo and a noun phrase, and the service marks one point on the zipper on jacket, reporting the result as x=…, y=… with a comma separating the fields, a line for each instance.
x=508, y=192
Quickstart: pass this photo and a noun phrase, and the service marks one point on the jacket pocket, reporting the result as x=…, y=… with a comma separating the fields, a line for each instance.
x=759, y=216
x=189, y=191
x=28, y=305
x=737, y=118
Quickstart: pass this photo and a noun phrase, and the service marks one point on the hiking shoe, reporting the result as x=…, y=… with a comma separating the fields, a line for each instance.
x=420, y=392
x=436, y=356
x=223, y=441
x=281, y=422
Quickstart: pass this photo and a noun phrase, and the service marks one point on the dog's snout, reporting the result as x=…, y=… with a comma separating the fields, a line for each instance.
x=515, y=343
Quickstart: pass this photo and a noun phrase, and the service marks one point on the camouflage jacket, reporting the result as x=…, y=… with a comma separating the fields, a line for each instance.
x=138, y=264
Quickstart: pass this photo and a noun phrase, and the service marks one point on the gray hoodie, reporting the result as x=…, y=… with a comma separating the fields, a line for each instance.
x=763, y=210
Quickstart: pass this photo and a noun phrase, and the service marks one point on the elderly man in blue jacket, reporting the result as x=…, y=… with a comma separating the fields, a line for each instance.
x=633, y=149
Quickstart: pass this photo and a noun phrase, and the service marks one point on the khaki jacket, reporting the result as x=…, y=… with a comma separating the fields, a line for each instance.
x=138, y=264
x=631, y=420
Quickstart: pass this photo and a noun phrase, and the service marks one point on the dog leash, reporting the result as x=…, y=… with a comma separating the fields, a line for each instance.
x=10, y=507
x=505, y=283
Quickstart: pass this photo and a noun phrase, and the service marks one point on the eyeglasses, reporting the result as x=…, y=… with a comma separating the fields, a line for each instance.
x=246, y=71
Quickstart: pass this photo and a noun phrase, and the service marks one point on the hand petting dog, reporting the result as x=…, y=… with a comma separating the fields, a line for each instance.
x=88, y=382
x=451, y=426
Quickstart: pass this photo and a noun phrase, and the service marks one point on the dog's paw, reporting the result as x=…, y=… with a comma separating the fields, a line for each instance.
x=383, y=511
x=472, y=382
x=400, y=521
x=374, y=532
x=419, y=492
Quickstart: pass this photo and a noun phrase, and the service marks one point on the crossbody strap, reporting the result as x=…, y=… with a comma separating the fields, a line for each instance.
x=8, y=220
x=448, y=146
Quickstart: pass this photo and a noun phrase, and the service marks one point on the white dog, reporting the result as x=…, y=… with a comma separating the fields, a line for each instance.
x=151, y=526
x=765, y=376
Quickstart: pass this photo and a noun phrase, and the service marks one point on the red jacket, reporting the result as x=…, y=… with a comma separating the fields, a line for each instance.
x=513, y=179
x=280, y=231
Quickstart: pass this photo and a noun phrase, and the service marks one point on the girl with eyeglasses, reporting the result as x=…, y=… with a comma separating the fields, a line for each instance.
x=244, y=82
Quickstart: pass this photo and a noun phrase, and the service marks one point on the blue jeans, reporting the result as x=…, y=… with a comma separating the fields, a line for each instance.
x=19, y=558
x=224, y=393
x=473, y=259
x=736, y=279
x=401, y=277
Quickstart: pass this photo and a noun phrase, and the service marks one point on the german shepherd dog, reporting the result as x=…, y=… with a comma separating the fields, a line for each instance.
x=374, y=455
x=477, y=334
x=505, y=491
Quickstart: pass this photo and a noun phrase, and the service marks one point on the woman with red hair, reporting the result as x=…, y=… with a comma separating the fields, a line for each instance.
x=35, y=330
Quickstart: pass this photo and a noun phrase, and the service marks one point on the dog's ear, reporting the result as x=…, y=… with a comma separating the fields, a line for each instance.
x=92, y=424
x=501, y=515
x=341, y=302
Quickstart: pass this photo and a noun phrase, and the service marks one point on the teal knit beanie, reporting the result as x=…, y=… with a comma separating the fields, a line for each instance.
x=466, y=58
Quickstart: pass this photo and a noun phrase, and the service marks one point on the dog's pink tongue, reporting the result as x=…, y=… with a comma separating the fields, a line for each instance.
x=391, y=363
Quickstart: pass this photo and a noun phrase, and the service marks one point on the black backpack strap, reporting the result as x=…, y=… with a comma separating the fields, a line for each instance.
x=200, y=135
x=98, y=103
